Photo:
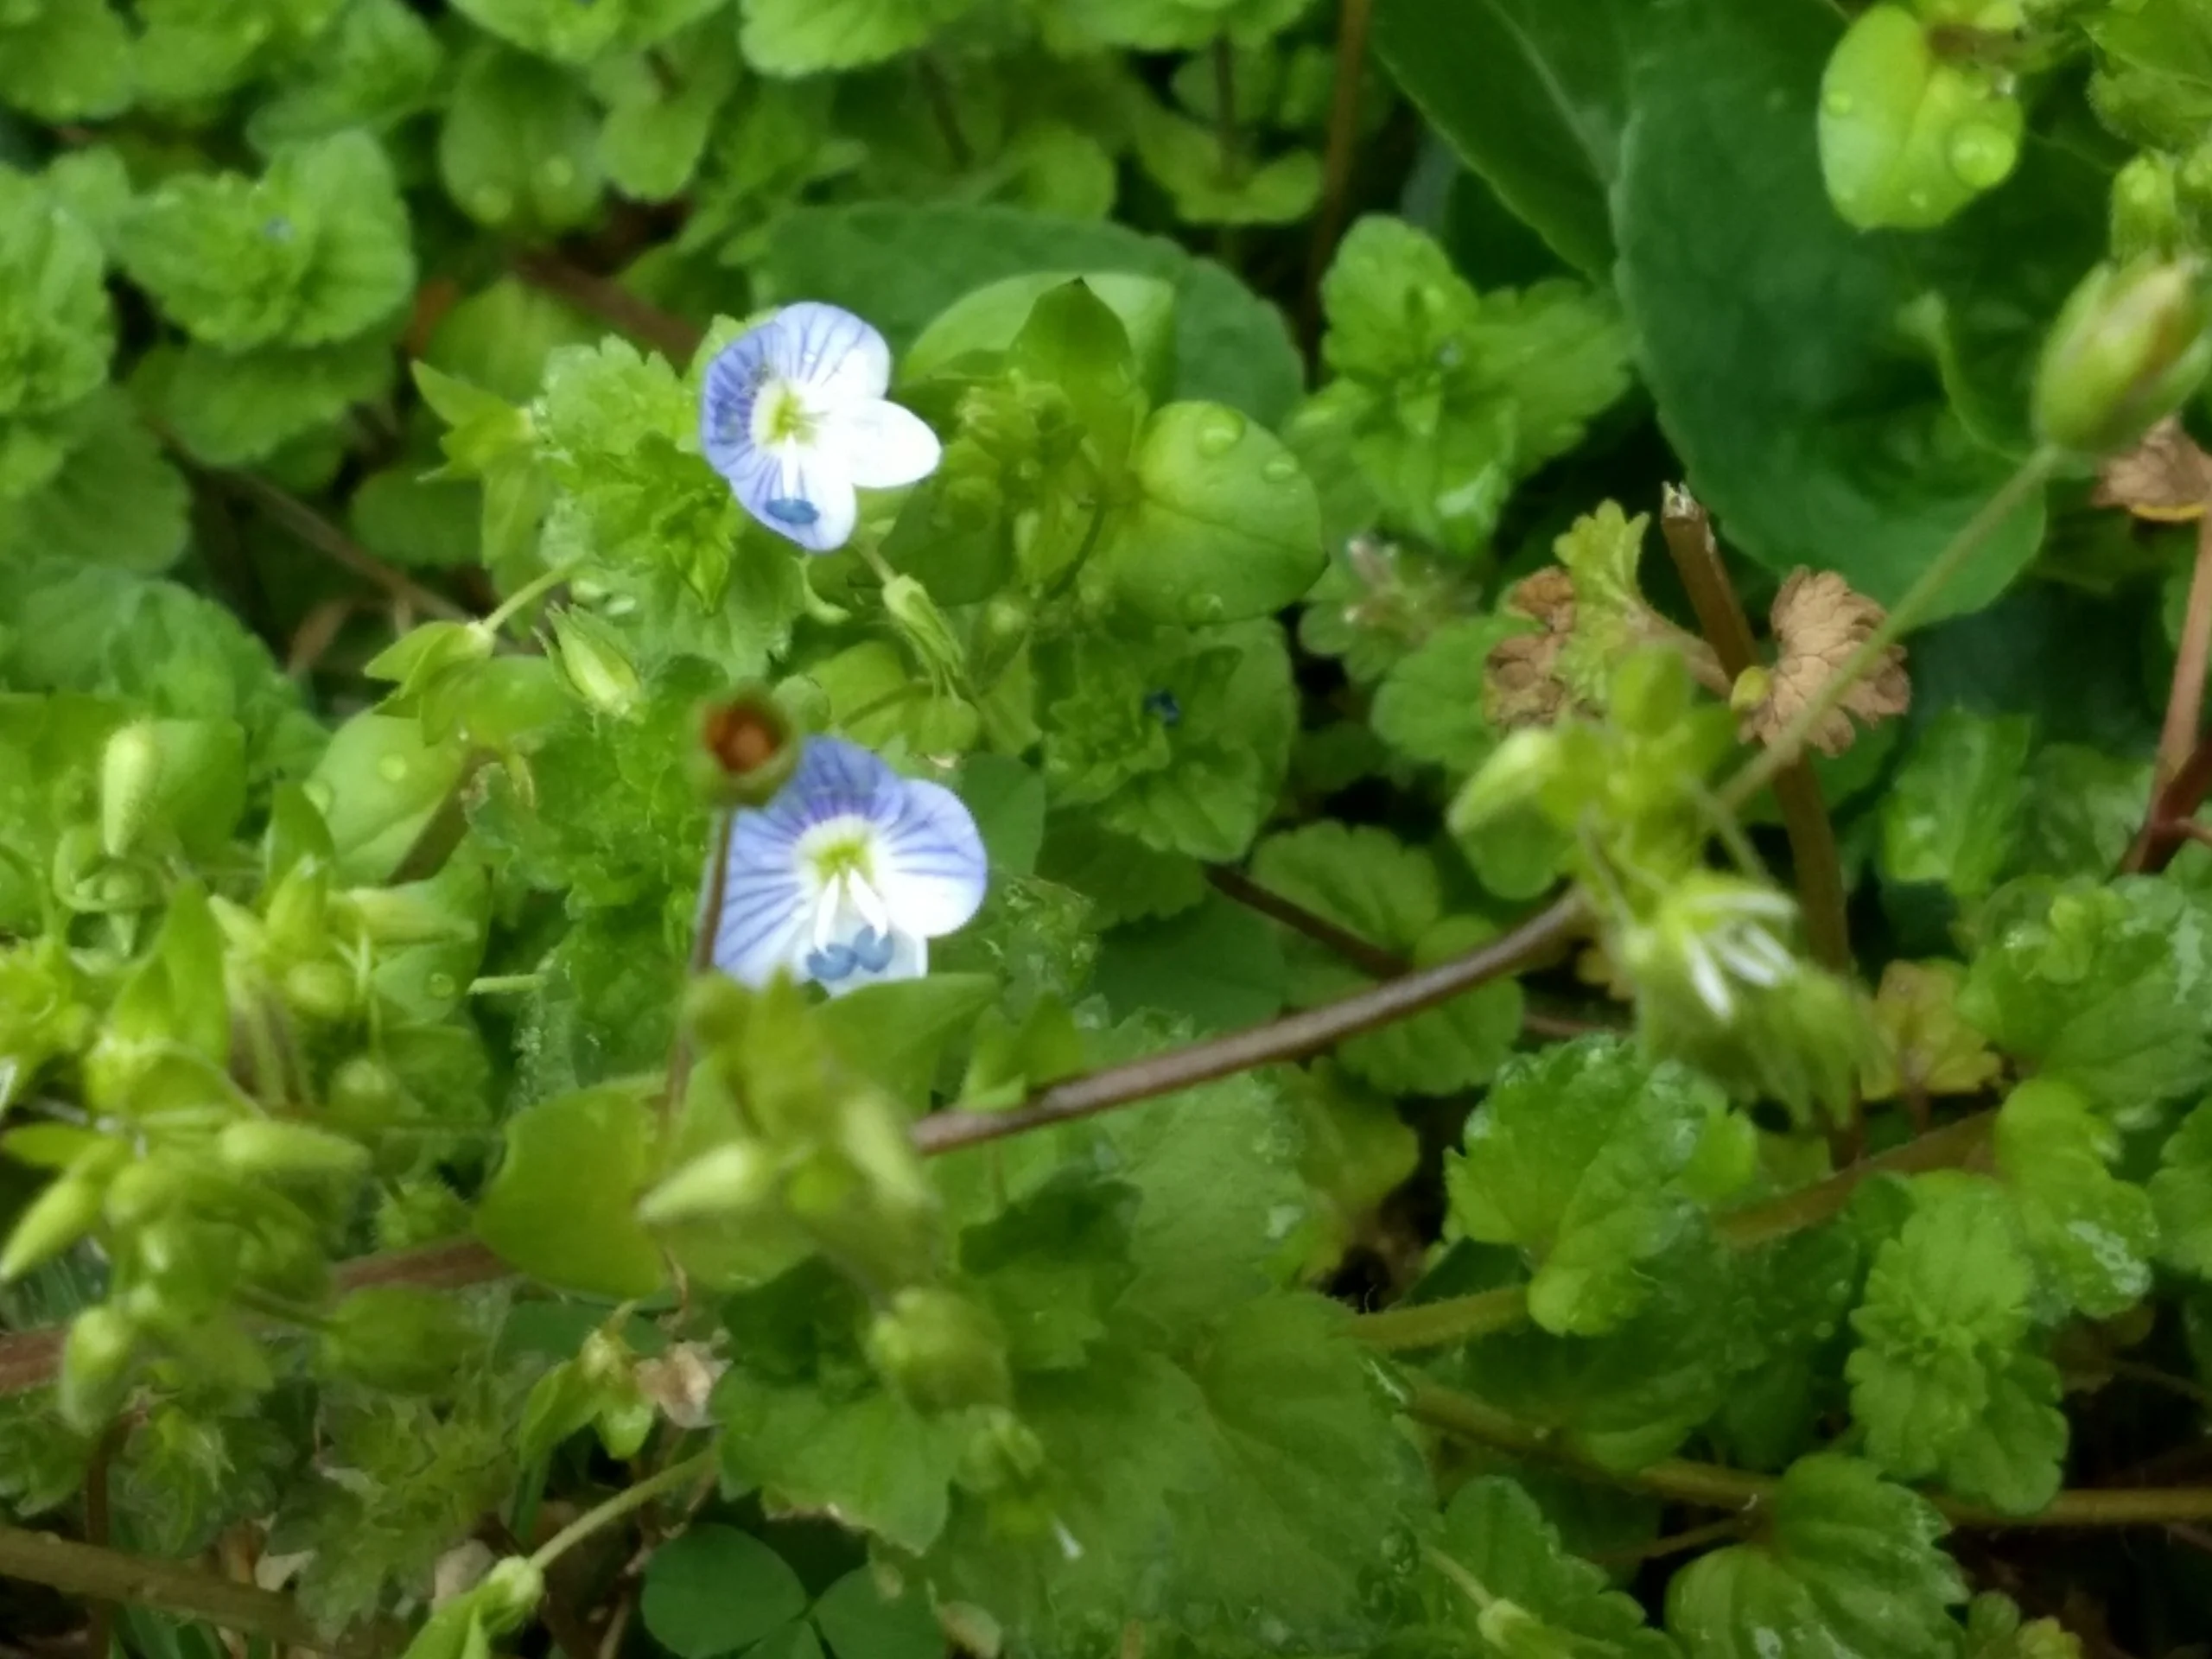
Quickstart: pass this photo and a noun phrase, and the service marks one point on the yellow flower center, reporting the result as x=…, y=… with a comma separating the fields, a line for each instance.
x=780, y=415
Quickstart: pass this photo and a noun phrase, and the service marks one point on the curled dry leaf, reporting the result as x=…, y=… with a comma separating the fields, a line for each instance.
x=1523, y=683
x=2166, y=479
x=680, y=1381
x=1819, y=621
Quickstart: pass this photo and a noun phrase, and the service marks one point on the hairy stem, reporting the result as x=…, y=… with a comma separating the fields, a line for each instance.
x=601, y=1516
x=108, y=1575
x=2015, y=493
x=313, y=529
x=1464, y=1318
x=1687, y=529
x=1291, y=1038
x=2178, y=780
x=1353, y=18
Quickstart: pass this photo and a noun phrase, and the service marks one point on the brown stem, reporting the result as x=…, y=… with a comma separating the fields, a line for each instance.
x=1713, y=1487
x=936, y=86
x=1675, y=1543
x=704, y=933
x=2181, y=776
x=1353, y=18
x=1369, y=959
x=1687, y=529
x=1290, y=1037
x=1228, y=151
x=311, y=528
x=611, y=302
x=1464, y=1318
x=99, y=1627
x=100, y=1574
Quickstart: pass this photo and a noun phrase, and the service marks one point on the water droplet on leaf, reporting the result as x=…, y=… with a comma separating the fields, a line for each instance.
x=1838, y=104
x=392, y=768
x=1982, y=154
x=1218, y=437
x=1280, y=470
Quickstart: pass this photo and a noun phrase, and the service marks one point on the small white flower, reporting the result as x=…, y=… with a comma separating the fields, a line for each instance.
x=794, y=416
x=847, y=874
x=1718, y=933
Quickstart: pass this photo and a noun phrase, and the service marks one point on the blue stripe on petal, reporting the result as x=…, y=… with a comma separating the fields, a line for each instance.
x=839, y=779
x=829, y=349
x=932, y=870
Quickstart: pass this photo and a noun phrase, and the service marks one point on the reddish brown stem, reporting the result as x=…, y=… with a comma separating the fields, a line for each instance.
x=607, y=300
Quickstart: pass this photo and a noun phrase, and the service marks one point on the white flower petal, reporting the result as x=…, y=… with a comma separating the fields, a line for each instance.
x=767, y=913
x=732, y=386
x=1711, y=985
x=830, y=349
x=930, y=870
x=802, y=494
x=882, y=445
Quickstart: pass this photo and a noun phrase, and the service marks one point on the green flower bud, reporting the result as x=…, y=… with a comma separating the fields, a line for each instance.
x=294, y=924
x=748, y=748
x=1650, y=691
x=941, y=1350
x=734, y=1181
x=593, y=664
x=1005, y=1453
x=393, y=916
x=57, y=1218
x=1000, y=632
x=321, y=990
x=287, y=1151
x=2129, y=348
x=130, y=777
x=2145, y=211
x=95, y=1366
x=399, y=1339
x=923, y=626
x=946, y=724
x=716, y=1010
x=144, y=1189
x=510, y=1594
x=1517, y=773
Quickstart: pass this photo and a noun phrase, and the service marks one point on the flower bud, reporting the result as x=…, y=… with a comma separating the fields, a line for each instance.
x=130, y=778
x=946, y=724
x=144, y=1189
x=321, y=990
x=919, y=622
x=716, y=1010
x=736, y=1179
x=95, y=1366
x=393, y=916
x=510, y=1594
x=2129, y=347
x=941, y=1350
x=1515, y=773
x=2145, y=208
x=57, y=1218
x=285, y=1151
x=1000, y=632
x=748, y=748
x=400, y=1338
x=593, y=664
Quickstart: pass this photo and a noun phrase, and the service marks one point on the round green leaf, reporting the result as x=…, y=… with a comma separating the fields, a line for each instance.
x=562, y=1207
x=716, y=1589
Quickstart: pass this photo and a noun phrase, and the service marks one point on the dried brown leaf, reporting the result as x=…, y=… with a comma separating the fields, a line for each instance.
x=1819, y=621
x=2165, y=478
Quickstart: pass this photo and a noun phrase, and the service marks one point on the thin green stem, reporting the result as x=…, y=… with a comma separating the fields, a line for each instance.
x=530, y=590
x=503, y=984
x=631, y=1498
x=1441, y=1323
x=1790, y=743
x=1354, y=19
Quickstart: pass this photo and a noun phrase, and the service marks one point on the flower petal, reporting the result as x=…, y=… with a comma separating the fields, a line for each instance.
x=930, y=870
x=800, y=492
x=882, y=445
x=768, y=908
x=829, y=350
x=837, y=780
x=733, y=384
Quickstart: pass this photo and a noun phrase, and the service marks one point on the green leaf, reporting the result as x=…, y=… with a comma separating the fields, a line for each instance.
x=1008, y=801
x=117, y=500
x=2096, y=986
x=1994, y=1631
x=519, y=148
x=1951, y=812
x=2089, y=1232
x=2182, y=1193
x=895, y=1030
x=1908, y=135
x=1579, y=1155
x=859, y=1621
x=1531, y=97
x=1223, y=527
x=805, y=37
x=569, y=33
x=900, y=266
x=65, y=60
x=1051, y=1267
x=657, y=128
x=1363, y=879
x=1446, y=398
x=1848, y=1568
x=2153, y=82
x=229, y=409
x=1185, y=157
x=988, y=320
x=56, y=316
x=378, y=785
x=377, y=67
x=560, y=1206
x=1503, y=1549
x=2082, y=810
x=1938, y=1381
x=1430, y=705
x=198, y=49
x=1834, y=454
x=316, y=251
x=1216, y=964
x=713, y=1590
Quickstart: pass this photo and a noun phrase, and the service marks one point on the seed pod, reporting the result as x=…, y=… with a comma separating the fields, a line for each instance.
x=2127, y=350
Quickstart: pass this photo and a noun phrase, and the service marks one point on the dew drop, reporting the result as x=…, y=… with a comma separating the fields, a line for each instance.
x=1982, y=154
x=439, y=986
x=1205, y=608
x=1838, y=104
x=392, y=768
x=1280, y=470
x=1218, y=436
x=559, y=171
x=492, y=203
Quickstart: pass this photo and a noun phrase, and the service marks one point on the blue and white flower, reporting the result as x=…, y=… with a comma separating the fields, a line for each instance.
x=794, y=416
x=845, y=877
